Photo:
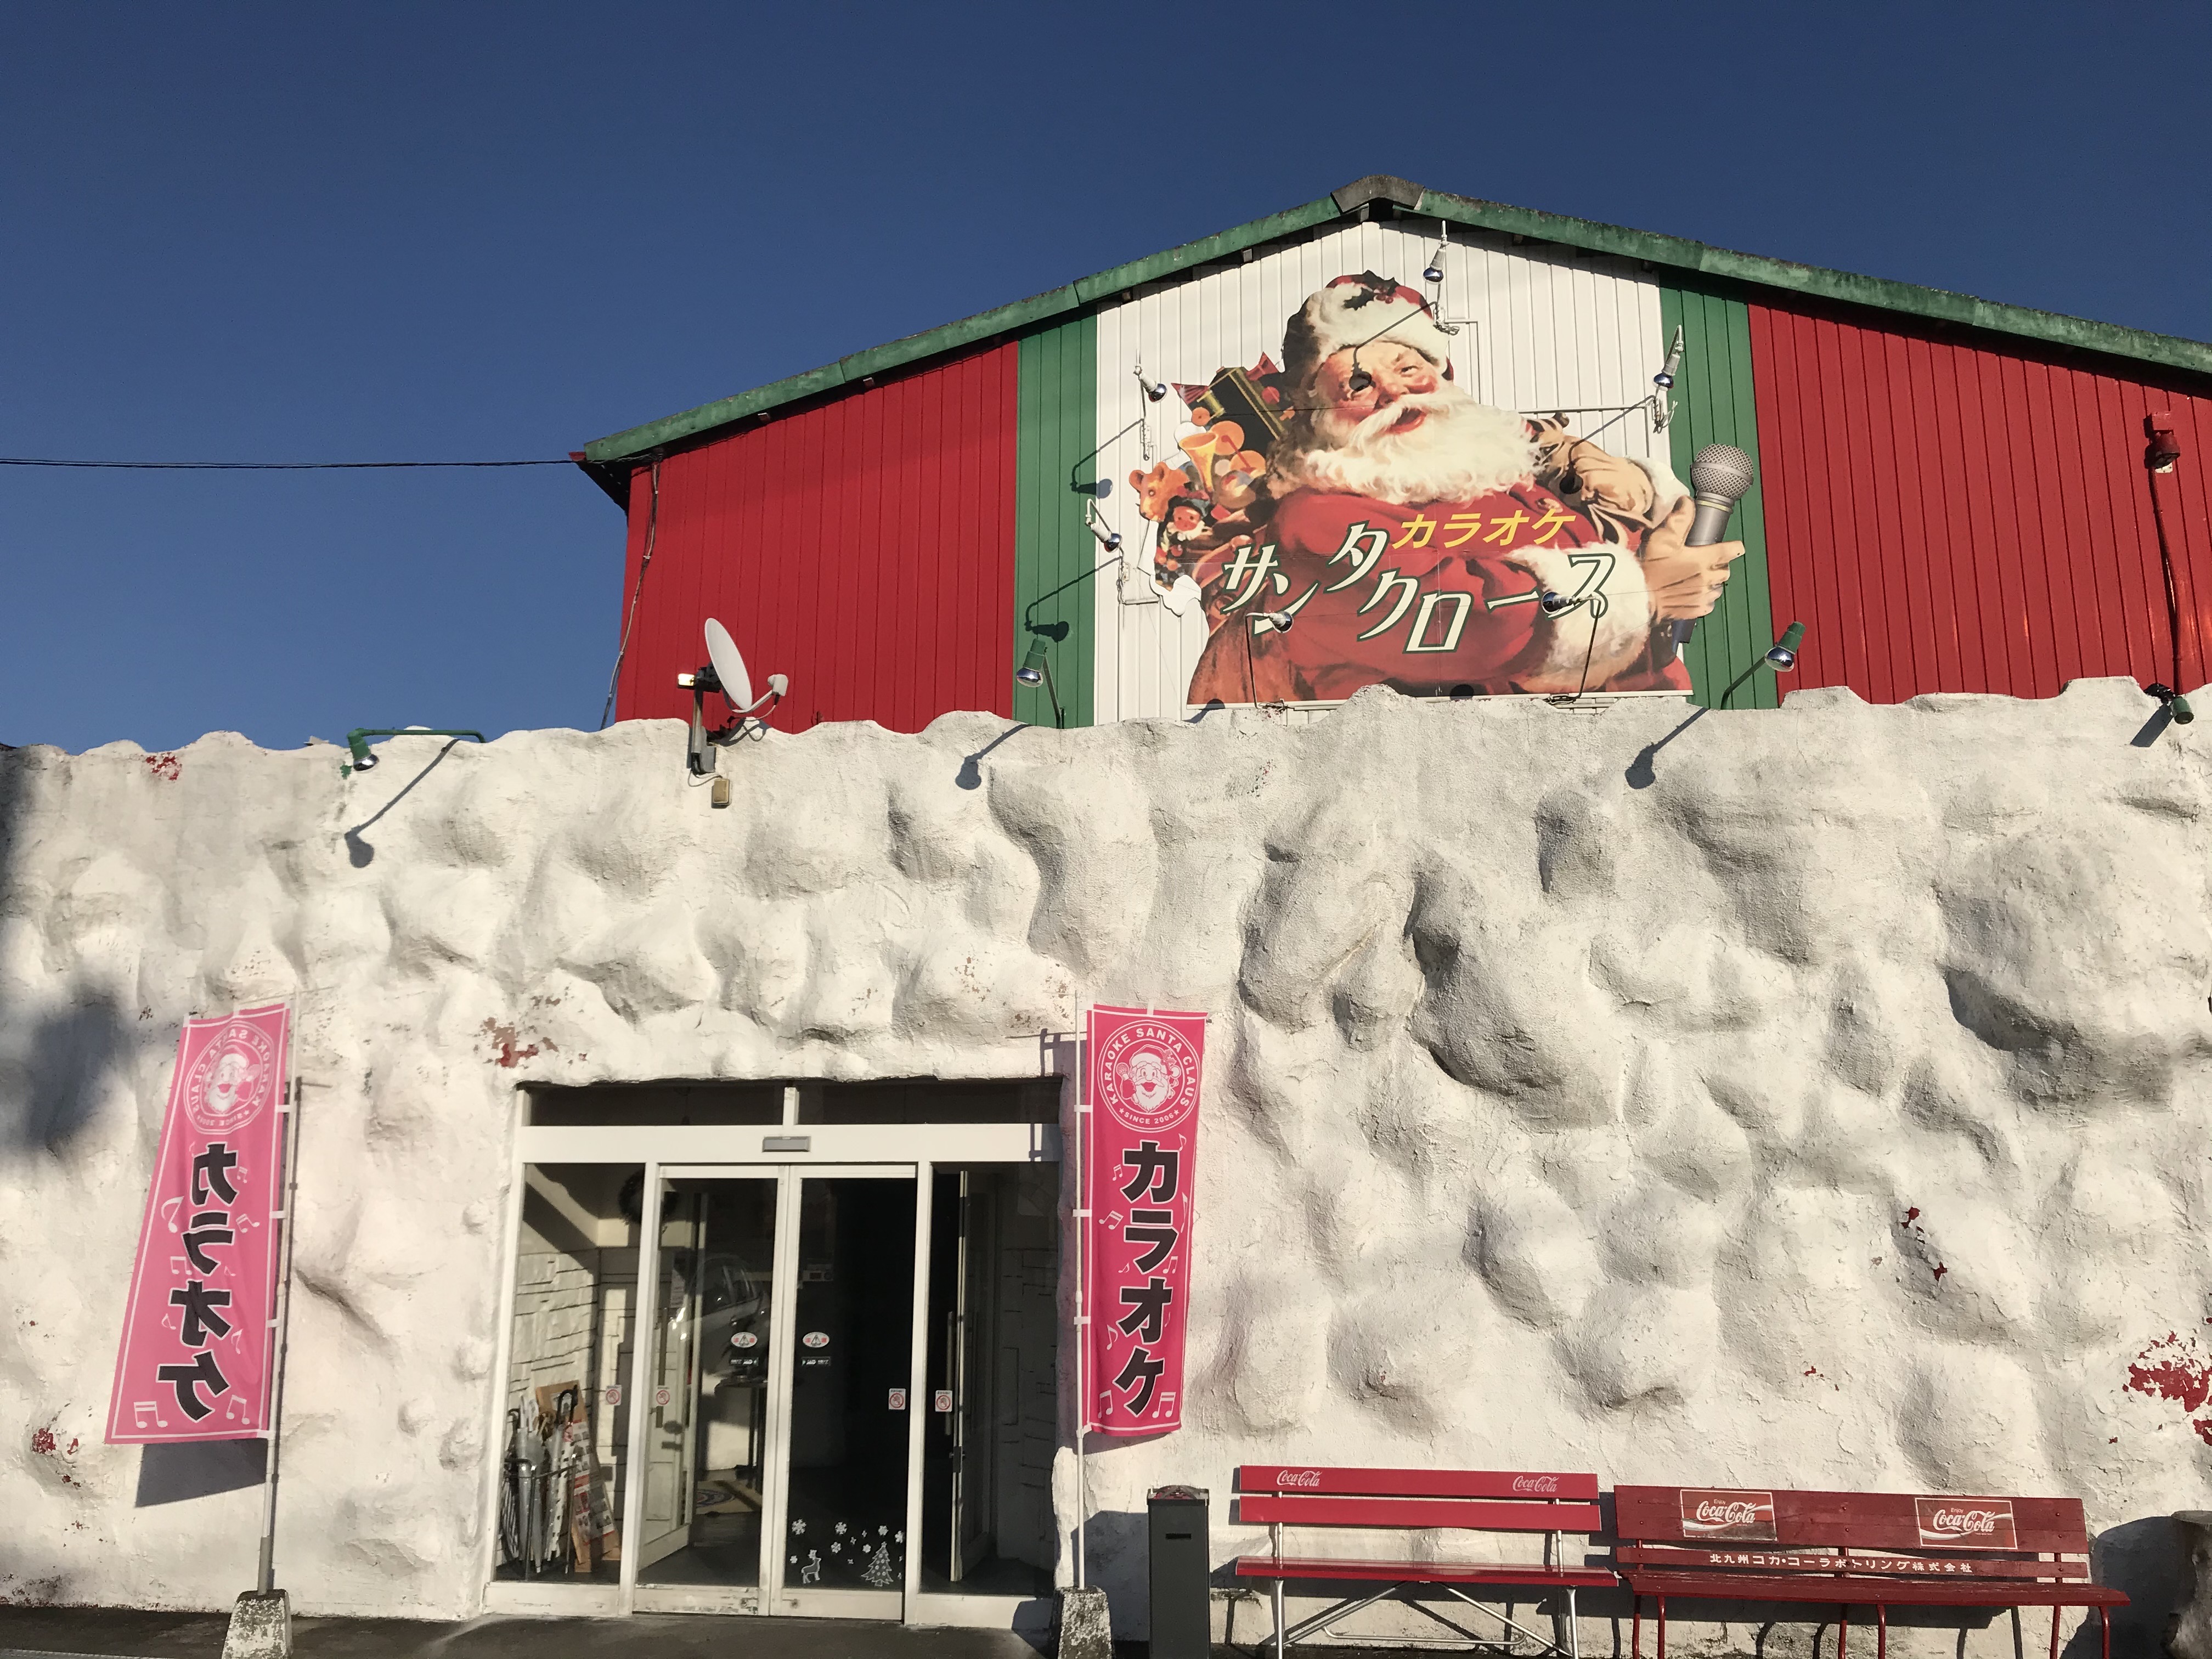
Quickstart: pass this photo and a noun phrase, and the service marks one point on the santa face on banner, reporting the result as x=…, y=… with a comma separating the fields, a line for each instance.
x=1368, y=522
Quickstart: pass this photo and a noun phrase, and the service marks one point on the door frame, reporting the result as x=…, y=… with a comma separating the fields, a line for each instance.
x=723, y=1150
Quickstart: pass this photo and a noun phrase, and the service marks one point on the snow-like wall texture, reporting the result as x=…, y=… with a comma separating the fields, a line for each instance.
x=1804, y=1099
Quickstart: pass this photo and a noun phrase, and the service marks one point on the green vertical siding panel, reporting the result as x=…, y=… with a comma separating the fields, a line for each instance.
x=1713, y=405
x=1058, y=428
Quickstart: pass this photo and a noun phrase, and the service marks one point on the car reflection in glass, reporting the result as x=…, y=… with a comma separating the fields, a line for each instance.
x=733, y=1320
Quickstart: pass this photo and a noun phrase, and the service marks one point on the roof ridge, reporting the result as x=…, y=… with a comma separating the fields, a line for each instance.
x=1941, y=305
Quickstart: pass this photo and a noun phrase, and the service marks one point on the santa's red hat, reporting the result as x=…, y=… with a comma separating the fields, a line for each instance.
x=1354, y=310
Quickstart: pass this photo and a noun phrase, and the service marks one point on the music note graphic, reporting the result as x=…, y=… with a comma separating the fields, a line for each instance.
x=142, y=1409
x=235, y=1410
x=169, y=1208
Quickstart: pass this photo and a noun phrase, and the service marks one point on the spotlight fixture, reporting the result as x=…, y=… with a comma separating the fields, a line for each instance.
x=1106, y=536
x=1037, y=666
x=2176, y=705
x=1031, y=672
x=1279, y=620
x=1155, y=390
x=1782, y=655
x=364, y=757
x=1554, y=604
x=1435, y=272
x=1361, y=379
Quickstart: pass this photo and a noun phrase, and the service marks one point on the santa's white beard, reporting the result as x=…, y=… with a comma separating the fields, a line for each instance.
x=1462, y=450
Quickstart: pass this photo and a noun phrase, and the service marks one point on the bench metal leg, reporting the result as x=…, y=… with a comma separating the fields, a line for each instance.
x=1844, y=1634
x=2054, y=1631
x=1880, y=1631
x=2104, y=1617
x=1635, y=1626
x=1279, y=1618
x=1574, y=1627
x=1662, y=1627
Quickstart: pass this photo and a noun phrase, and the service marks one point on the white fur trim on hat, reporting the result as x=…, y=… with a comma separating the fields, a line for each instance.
x=1353, y=311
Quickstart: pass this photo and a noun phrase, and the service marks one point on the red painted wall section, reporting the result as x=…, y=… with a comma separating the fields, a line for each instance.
x=1947, y=518
x=865, y=547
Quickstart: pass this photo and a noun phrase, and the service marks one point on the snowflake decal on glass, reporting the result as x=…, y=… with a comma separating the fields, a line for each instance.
x=840, y=1529
x=799, y=1529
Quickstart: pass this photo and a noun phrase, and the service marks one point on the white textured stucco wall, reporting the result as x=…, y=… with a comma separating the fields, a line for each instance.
x=1552, y=1120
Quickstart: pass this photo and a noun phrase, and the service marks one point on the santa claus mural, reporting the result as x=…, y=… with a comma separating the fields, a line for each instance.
x=1394, y=531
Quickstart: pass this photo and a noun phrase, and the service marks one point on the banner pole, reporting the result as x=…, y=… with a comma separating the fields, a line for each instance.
x=1082, y=1295
x=282, y=1332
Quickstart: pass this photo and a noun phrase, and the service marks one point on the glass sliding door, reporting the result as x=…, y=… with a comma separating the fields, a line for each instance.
x=707, y=1405
x=844, y=1537
x=776, y=1423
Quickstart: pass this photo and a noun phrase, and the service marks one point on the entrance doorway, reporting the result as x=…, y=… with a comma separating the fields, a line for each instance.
x=808, y=1373
x=778, y=1427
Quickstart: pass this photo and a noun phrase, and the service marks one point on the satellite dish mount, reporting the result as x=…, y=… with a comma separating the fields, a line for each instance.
x=724, y=671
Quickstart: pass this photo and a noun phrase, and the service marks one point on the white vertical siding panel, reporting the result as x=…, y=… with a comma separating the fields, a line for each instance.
x=1541, y=331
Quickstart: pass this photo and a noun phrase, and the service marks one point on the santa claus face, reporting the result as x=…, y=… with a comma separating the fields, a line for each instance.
x=1413, y=436
x=1394, y=372
x=234, y=1075
x=1151, y=1080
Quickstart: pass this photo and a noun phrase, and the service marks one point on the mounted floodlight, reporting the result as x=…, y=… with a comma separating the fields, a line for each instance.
x=1106, y=537
x=724, y=671
x=2176, y=705
x=1279, y=621
x=1782, y=655
x=1554, y=604
x=1359, y=380
x=364, y=757
x=1155, y=390
x=1036, y=667
x=1435, y=272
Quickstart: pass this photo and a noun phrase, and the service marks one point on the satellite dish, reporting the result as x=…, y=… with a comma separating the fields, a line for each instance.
x=729, y=666
x=725, y=672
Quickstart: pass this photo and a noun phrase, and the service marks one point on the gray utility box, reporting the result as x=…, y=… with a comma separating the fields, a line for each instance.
x=1182, y=1617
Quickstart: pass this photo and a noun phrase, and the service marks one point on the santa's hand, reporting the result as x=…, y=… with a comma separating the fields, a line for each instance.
x=1684, y=581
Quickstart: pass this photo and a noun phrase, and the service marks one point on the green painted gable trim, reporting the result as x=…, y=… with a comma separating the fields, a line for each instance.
x=1056, y=429
x=1712, y=404
x=1934, y=303
x=1009, y=318
x=1671, y=251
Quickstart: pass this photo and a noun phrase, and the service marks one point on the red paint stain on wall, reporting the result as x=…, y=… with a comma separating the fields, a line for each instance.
x=509, y=1050
x=2173, y=1368
x=42, y=1442
x=165, y=766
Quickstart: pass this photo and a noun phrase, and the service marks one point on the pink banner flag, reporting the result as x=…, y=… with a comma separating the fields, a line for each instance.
x=1139, y=1170
x=196, y=1335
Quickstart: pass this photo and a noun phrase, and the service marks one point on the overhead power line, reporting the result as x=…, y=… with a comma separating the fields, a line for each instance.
x=262, y=466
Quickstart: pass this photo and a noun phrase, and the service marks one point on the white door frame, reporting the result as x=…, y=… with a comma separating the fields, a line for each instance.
x=791, y=1150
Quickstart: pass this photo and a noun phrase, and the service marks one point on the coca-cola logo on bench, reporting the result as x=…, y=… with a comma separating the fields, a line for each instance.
x=1298, y=1477
x=1544, y=1485
x=1966, y=1523
x=1741, y=1515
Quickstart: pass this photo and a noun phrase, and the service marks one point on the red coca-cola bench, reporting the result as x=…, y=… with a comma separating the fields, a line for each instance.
x=1855, y=1549
x=1479, y=1500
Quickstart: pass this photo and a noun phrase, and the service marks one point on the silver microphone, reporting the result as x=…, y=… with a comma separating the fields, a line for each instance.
x=1719, y=477
x=1720, y=474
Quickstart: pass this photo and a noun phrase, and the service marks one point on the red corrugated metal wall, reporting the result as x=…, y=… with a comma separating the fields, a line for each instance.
x=1950, y=517
x=865, y=547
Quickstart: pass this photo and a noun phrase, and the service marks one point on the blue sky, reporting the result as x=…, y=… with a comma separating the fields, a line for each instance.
x=473, y=232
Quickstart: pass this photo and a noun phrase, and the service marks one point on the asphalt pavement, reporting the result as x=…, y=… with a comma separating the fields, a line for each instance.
x=115, y=1633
